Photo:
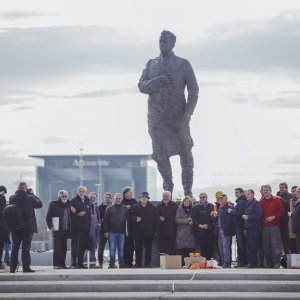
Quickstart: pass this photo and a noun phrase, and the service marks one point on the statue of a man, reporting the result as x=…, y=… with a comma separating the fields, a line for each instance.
x=164, y=79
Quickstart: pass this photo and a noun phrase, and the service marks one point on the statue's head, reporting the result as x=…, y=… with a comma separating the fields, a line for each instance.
x=167, y=41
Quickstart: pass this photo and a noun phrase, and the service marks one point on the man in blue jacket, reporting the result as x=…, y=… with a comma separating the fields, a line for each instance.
x=27, y=202
x=224, y=229
x=82, y=221
x=252, y=217
x=239, y=210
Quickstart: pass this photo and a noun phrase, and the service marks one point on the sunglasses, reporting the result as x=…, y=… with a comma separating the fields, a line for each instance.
x=63, y=196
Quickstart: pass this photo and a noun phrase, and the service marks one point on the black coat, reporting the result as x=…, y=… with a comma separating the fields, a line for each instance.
x=200, y=216
x=296, y=218
x=56, y=209
x=168, y=226
x=130, y=202
x=27, y=203
x=81, y=223
x=115, y=219
x=149, y=225
x=4, y=234
x=102, y=209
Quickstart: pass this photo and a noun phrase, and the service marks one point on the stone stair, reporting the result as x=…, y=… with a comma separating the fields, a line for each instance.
x=151, y=284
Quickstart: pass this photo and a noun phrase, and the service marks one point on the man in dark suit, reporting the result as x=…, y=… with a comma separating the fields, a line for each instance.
x=80, y=206
x=27, y=202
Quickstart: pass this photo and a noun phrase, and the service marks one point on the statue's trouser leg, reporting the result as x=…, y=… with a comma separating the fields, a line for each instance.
x=187, y=165
x=165, y=170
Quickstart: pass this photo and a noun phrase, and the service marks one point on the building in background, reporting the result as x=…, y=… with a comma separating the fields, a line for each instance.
x=99, y=173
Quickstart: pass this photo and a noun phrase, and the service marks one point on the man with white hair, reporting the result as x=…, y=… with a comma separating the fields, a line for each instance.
x=82, y=222
x=167, y=230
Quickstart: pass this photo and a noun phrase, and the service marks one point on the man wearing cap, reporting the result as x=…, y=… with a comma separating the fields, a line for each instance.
x=144, y=216
x=224, y=229
x=169, y=112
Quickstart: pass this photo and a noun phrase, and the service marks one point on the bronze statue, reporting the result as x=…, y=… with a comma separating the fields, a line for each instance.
x=164, y=79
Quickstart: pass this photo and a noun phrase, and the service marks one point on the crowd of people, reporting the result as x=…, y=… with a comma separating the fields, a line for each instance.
x=266, y=230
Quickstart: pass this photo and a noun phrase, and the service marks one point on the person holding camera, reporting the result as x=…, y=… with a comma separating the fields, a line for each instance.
x=27, y=202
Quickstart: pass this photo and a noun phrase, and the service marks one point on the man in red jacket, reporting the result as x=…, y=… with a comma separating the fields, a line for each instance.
x=272, y=210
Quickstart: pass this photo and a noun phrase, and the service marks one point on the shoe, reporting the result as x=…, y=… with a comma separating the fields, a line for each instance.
x=100, y=266
x=240, y=266
x=112, y=267
x=82, y=267
x=226, y=267
x=250, y=266
x=12, y=271
x=58, y=267
x=28, y=271
x=147, y=266
x=137, y=266
x=65, y=267
x=276, y=266
x=123, y=267
x=72, y=267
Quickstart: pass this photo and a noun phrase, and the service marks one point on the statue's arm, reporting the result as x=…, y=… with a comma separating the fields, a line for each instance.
x=146, y=85
x=192, y=88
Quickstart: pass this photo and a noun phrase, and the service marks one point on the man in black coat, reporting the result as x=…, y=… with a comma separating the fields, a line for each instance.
x=296, y=219
x=203, y=225
x=167, y=233
x=107, y=201
x=129, y=201
x=61, y=209
x=144, y=216
x=81, y=228
x=4, y=234
x=27, y=202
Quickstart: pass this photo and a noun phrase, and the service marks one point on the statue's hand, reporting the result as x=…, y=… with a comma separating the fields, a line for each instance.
x=186, y=119
x=165, y=79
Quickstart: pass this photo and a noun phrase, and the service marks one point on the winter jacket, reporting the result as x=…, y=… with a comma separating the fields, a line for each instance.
x=200, y=216
x=27, y=203
x=184, y=235
x=4, y=234
x=149, y=224
x=239, y=210
x=81, y=223
x=285, y=198
x=296, y=217
x=226, y=221
x=271, y=207
x=56, y=210
x=290, y=225
x=130, y=202
x=115, y=219
x=168, y=226
x=254, y=212
x=102, y=209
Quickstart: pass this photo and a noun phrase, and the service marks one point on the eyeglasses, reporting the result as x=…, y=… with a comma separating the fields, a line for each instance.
x=63, y=196
x=202, y=197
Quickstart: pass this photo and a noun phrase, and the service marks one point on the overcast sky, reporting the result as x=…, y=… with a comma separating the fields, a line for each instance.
x=69, y=73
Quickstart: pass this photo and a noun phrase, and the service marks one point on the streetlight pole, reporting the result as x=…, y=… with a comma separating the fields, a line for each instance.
x=98, y=186
x=81, y=166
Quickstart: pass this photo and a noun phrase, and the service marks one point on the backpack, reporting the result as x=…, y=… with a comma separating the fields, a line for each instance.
x=13, y=218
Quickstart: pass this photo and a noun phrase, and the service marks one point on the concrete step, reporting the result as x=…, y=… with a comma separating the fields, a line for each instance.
x=151, y=295
x=153, y=274
x=150, y=286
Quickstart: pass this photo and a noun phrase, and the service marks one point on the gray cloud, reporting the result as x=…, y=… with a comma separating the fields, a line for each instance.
x=273, y=44
x=276, y=102
x=292, y=160
x=19, y=14
x=102, y=93
x=22, y=108
x=53, y=140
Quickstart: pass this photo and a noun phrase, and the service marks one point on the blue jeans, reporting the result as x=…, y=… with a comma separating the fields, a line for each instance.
x=116, y=242
x=7, y=248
